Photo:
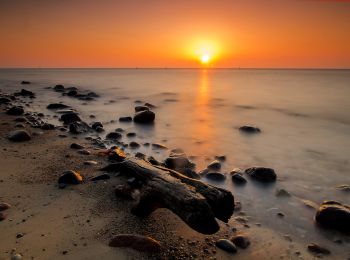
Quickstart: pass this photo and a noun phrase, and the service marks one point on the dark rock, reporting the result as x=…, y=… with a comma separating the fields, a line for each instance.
x=262, y=174
x=178, y=160
x=282, y=193
x=25, y=93
x=101, y=177
x=2, y=216
x=56, y=106
x=19, y=136
x=131, y=134
x=134, y=145
x=15, y=111
x=4, y=206
x=124, y=191
x=190, y=173
x=238, y=178
x=96, y=124
x=19, y=125
x=153, y=161
x=241, y=241
x=220, y=158
x=113, y=136
x=214, y=166
x=159, y=146
x=125, y=119
x=119, y=130
x=334, y=215
x=78, y=127
x=249, y=129
x=226, y=245
x=149, y=105
x=99, y=129
x=141, y=156
x=76, y=146
x=58, y=88
x=4, y=100
x=72, y=93
x=70, y=177
x=141, y=108
x=70, y=118
x=217, y=176
x=20, y=119
x=344, y=187
x=137, y=242
x=47, y=126
x=144, y=117
x=24, y=82
x=84, y=152
x=117, y=155
x=314, y=248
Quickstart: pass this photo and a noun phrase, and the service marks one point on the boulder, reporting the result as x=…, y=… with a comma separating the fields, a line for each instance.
x=137, y=242
x=249, y=129
x=334, y=215
x=19, y=136
x=144, y=117
x=262, y=174
x=15, y=111
x=70, y=118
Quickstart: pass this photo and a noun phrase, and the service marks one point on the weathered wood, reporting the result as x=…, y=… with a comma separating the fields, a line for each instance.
x=196, y=203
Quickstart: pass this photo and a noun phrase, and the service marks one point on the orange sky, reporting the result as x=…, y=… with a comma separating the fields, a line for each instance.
x=162, y=33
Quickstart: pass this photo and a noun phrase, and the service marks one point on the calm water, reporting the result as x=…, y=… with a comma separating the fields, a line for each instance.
x=304, y=117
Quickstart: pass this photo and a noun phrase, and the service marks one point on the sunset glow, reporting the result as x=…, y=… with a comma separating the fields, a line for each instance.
x=205, y=58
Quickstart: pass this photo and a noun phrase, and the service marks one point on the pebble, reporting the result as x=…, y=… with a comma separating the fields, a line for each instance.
x=226, y=245
x=237, y=178
x=247, y=129
x=16, y=257
x=113, y=136
x=214, y=166
x=84, y=152
x=317, y=249
x=282, y=193
x=241, y=241
x=90, y=163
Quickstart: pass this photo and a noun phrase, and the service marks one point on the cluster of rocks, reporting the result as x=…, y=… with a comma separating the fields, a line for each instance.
x=74, y=92
x=230, y=245
x=143, y=115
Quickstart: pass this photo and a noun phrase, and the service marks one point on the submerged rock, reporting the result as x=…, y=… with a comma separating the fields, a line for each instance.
x=137, y=242
x=19, y=136
x=25, y=93
x=237, y=178
x=144, y=117
x=15, y=111
x=76, y=146
x=57, y=106
x=214, y=166
x=70, y=177
x=70, y=118
x=226, y=245
x=334, y=215
x=125, y=119
x=249, y=129
x=24, y=82
x=58, y=88
x=95, y=125
x=113, y=136
x=262, y=174
x=78, y=127
x=344, y=187
x=134, y=145
x=117, y=155
x=4, y=100
x=241, y=241
x=282, y=193
x=150, y=105
x=216, y=176
x=317, y=249
x=141, y=108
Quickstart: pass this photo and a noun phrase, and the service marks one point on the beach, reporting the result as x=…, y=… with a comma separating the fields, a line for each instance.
x=47, y=220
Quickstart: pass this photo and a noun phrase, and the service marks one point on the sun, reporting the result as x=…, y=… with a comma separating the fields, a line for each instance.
x=205, y=58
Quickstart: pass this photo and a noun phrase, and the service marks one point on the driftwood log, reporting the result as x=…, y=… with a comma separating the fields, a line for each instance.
x=196, y=203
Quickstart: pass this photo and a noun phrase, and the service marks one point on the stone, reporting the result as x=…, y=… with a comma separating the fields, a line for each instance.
x=344, y=187
x=334, y=215
x=141, y=156
x=4, y=206
x=15, y=111
x=57, y=106
x=131, y=134
x=134, y=145
x=70, y=177
x=16, y=257
x=24, y=82
x=136, y=242
x=220, y=158
x=19, y=136
x=117, y=155
x=99, y=129
x=216, y=176
x=317, y=249
x=113, y=136
x=25, y=93
x=159, y=146
x=247, y=129
x=282, y=193
x=141, y=108
x=101, y=177
x=2, y=216
x=19, y=125
x=237, y=178
x=144, y=117
x=78, y=127
x=241, y=241
x=84, y=152
x=125, y=119
x=58, y=88
x=214, y=166
x=76, y=146
x=226, y=245
x=149, y=105
x=90, y=163
x=262, y=174
x=47, y=126
x=70, y=118
x=72, y=93
x=96, y=124
x=4, y=100
x=124, y=191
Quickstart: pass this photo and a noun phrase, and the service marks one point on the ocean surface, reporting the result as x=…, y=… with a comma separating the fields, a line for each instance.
x=304, y=116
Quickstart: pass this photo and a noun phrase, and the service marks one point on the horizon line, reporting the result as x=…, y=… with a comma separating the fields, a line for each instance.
x=194, y=68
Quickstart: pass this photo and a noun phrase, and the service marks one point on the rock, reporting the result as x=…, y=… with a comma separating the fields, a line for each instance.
x=282, y=193
x=124, y=191
x=78, y=127
x=314, y=248
x=99, y=129
x=76, y=146
x=134, y=145
x=220, y=158
x=344, y=187
x=96, y=124
x=2, y=216
x=226, y=245
x=25, y=93
x=58, y=88
x=137, y=242
x=19, y=136
x=117, y=155
x=153, y=161
x=72, y=93
x=70, y=118
x=24, y=82
x=101, y=177
x=334, y=215
x=15, y=111
x=113, y=136
x=149, y=105
x=159, y=146
x=70, y=177
x=47, y=126
x=20, y=119
x=57, y=106
x=216, y=176
x=262, y=174
x=214, y=166
x=241, y=241
x=19, y=125
x=141, y=108
x=249, y=129
x=4, y=206
x=190, y=173
x=141, y=156
x=90, y=163
x=119, y=130
x=237, y=178
x=4, y=100
x=84, y=152
x=144, y=117
x=125, y=119
x=131, y=134
x=16, y=257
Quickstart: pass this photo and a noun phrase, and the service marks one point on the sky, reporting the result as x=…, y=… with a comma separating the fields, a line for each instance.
x=175, y=33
